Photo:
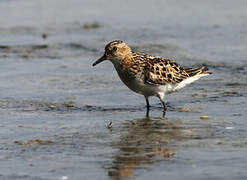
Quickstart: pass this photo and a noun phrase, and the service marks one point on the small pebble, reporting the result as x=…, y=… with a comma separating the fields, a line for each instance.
x=168, y=154
x=184, y=110
x=219, y=143
x=204, y=117
x=25, y=56
x=52, y=106
x=194, y=95
x=91, y=26
x=44, y=35
x=64, y=178
x=70, y=105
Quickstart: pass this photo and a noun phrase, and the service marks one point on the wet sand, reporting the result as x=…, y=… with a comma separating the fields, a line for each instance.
x=63, y=119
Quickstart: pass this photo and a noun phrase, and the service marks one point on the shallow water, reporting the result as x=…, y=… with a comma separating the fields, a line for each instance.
x=56, y=109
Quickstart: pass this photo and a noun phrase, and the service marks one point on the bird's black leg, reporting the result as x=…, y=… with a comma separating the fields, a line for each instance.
x=148, y=106
x=164, y=105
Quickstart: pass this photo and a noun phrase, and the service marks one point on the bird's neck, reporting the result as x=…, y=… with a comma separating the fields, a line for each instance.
x=127, y=62
x=123, y=63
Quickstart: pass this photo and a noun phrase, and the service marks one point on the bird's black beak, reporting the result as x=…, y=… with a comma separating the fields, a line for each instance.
x=103, y=58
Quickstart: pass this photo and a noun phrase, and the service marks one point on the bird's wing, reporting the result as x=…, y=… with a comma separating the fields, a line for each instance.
x=163, y=71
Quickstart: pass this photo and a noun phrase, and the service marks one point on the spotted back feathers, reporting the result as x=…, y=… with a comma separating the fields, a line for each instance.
x=157, y=70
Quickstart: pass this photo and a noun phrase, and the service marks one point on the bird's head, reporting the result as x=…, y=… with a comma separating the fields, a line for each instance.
x=116, y=51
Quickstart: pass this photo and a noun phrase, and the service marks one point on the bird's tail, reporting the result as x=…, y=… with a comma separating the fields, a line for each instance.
x=201, y=71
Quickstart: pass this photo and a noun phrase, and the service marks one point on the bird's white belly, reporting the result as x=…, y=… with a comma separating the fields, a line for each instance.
x=146, y=89
x=141, y=88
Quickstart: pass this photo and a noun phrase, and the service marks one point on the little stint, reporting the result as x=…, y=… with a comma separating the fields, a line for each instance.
x=149, y=75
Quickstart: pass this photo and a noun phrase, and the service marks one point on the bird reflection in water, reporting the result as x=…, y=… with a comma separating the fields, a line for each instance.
x=142, y=143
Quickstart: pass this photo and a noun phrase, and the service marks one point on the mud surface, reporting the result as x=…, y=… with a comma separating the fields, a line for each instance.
x=63, y=119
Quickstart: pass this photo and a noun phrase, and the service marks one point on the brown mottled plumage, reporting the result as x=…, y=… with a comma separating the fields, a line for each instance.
x=149, y=75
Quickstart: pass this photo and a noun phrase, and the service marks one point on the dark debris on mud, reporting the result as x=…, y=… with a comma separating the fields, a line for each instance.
x=19, y=177
x=69, y=106
x=49, y=51
x=34, y=142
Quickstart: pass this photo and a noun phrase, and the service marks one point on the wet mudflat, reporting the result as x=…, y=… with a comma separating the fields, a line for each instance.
x=63, y=119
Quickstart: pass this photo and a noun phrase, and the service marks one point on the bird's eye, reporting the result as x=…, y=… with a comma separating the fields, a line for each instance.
x=114, y=48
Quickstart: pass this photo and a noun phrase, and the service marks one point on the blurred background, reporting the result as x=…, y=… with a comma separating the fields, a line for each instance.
x=55, y=107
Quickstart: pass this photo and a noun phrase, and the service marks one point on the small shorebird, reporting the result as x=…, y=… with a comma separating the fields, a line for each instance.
x=149, y=75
